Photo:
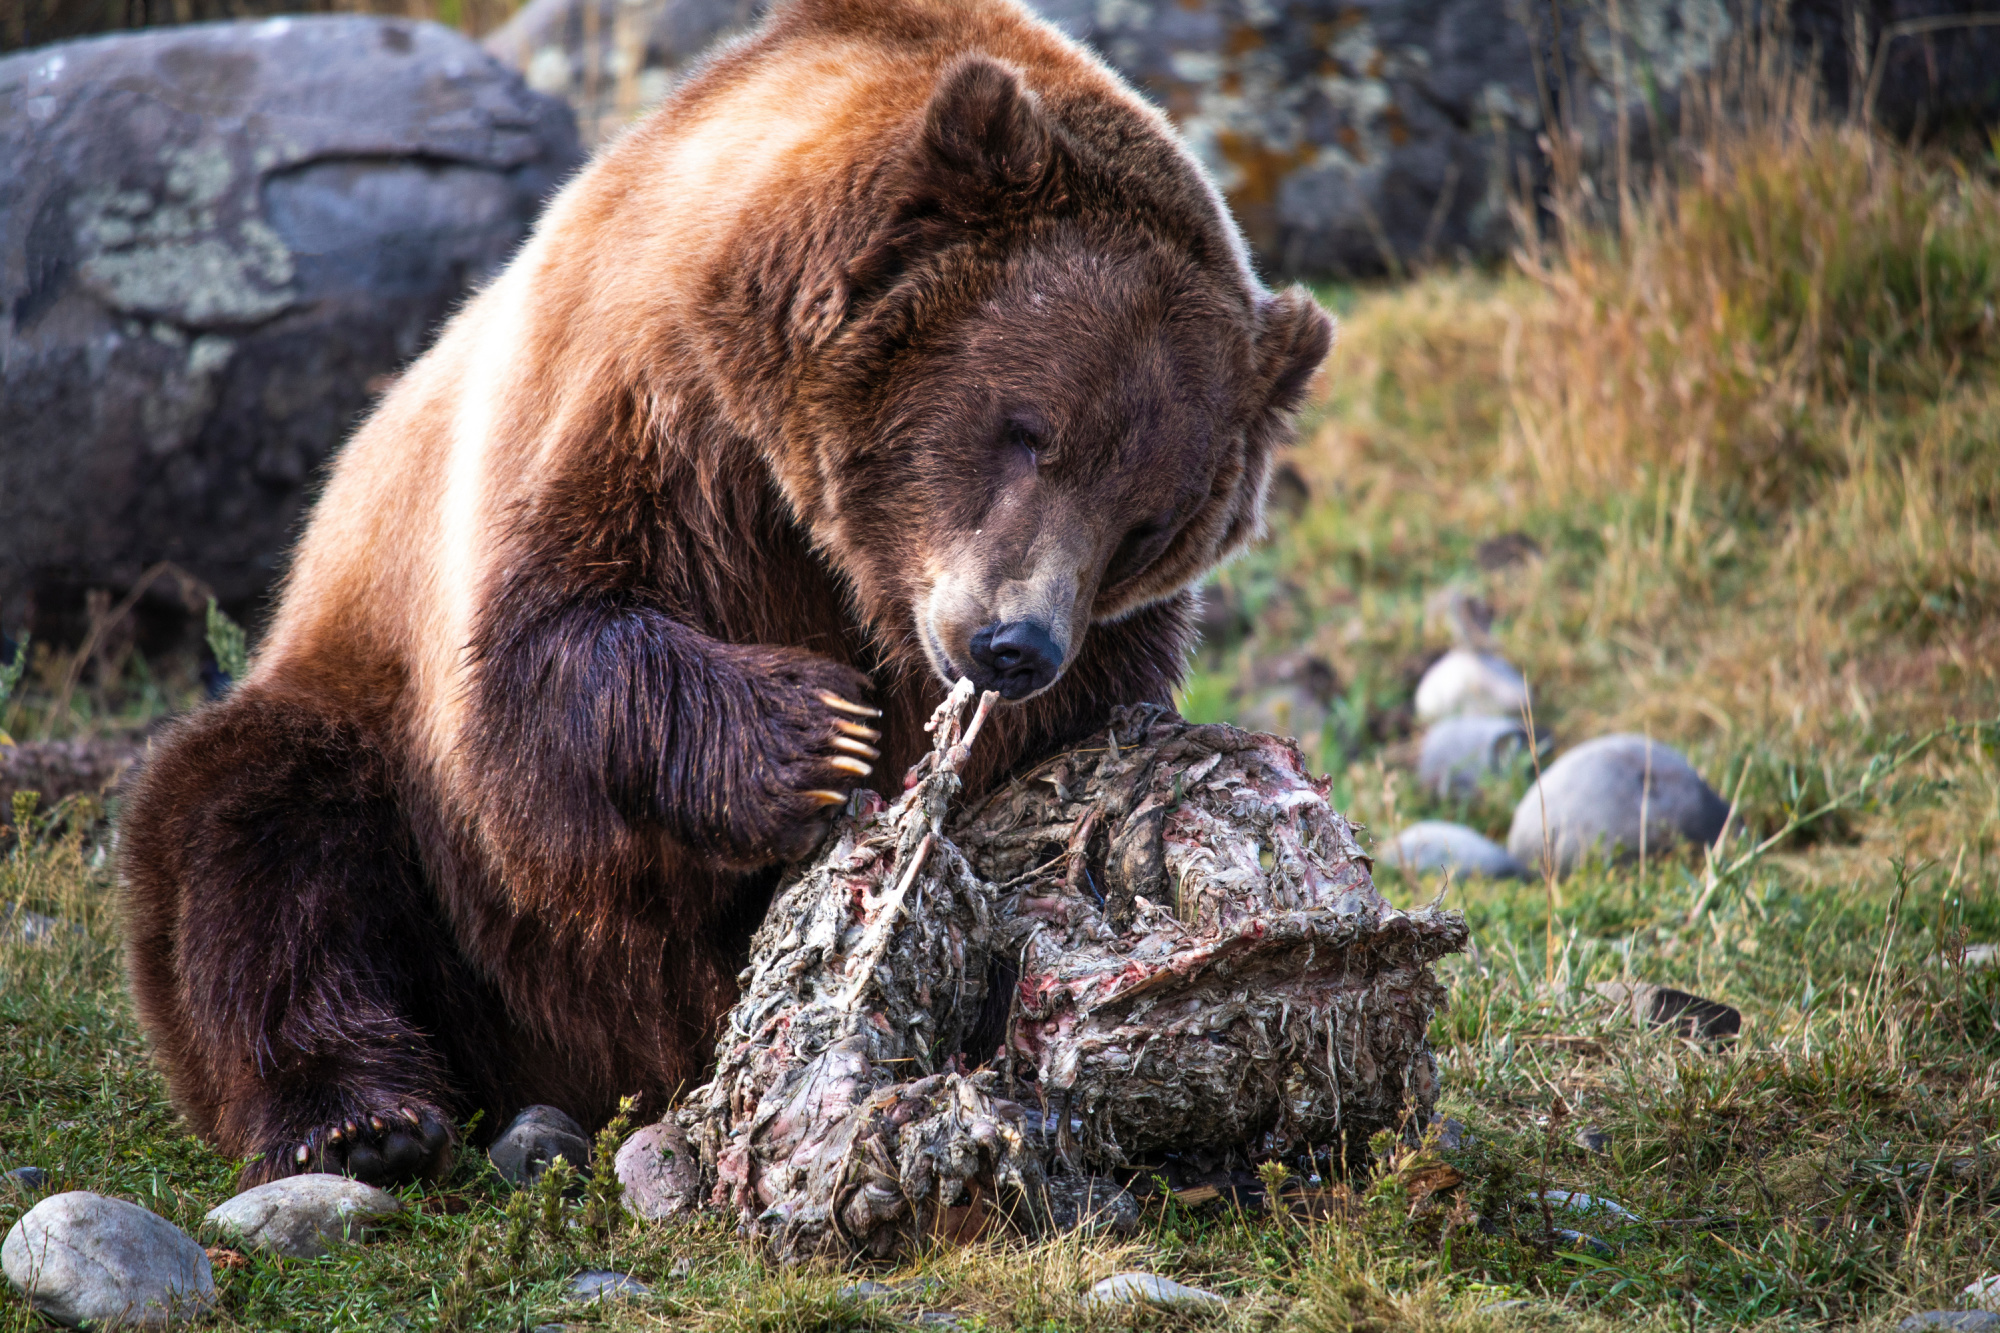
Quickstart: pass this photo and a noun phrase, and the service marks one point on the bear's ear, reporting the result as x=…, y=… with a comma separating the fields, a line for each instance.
x=987, y=146
x=1292, y=344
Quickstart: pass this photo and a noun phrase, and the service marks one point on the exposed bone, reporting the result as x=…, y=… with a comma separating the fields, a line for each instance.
x=1202, y=962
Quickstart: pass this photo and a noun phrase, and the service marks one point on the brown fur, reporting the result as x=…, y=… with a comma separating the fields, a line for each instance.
x=904, y=316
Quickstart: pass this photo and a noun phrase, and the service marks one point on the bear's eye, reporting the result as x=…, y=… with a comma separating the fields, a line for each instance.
x=1023, y=439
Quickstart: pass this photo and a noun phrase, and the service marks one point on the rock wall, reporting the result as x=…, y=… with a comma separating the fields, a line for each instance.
x=215, y=243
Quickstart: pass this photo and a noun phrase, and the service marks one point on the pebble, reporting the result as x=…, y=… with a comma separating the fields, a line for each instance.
x=1433, y=845
x=83, y=1258
x=1465, y=681
x=1980, y=955
x=1957, y=1321
x=660, y=1172
x=27, y=1178
x=534, y=1139
x=604, y=1285
x=1592, y=1139
x=1595, y=793
x=1584, y=1203
x=1459, y=752
x=1451, y=1134
x=1577, y=1240
x=1985, y=1292
x=1151, y=1289
x=302, y=1217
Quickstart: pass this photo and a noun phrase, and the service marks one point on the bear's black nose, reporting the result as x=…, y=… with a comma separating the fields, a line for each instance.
x=1016, y=658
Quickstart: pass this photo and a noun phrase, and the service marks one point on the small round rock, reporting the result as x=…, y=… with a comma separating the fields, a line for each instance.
x=82, y=1258
x=533, y=1140
x=604, y=1285
x=31, y=1178
x=1466, y=682
x=1433, y=845
x=1151, y=1289
x=1597, y=793
x=302, y=1217
x=1953, y=1321
x=660, y=1171
x=1460, y=752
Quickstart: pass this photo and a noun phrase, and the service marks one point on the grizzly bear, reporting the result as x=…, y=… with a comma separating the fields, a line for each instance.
x=904, y=343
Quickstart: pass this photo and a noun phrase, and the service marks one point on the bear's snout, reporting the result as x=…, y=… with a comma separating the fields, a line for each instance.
x=1016, y=658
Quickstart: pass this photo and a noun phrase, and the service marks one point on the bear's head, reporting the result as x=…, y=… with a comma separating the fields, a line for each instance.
x=1045, y=385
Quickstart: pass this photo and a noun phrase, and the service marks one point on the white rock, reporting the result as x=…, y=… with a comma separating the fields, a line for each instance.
x=1984, y=1294
x=1465, y=682
x=302, y=1217
x=1459, y=752
x=82, y=1258
x=1595, y=796
x=1433, y=845
x=1151, y=1289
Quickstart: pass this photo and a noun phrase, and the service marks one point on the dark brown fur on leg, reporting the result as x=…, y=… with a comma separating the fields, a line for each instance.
x=281, y=948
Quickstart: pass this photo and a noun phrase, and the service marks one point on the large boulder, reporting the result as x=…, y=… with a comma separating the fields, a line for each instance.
x=214, y=243
x=1361, y=136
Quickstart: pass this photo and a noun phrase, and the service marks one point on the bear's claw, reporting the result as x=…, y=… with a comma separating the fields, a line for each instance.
x=834, y=701
x=854, y=766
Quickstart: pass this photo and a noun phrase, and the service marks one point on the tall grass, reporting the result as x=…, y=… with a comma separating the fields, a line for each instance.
x=1783, y=267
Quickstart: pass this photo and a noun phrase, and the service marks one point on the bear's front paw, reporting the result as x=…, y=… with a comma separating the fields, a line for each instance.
x=816, y=748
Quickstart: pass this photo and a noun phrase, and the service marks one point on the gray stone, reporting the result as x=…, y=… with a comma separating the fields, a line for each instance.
x=215, y=240
x=1592, y=1139
x=867, y=1290
x=1461, y=752
x=603, y=1285
x=1984, y=1292
x=1599, y=794
x=1151, y=1289
x=302, y=1217
x=533, y=1140
x=1433, y=845
x=83, y=1258
x=1577, y=1202
x=660, y=1171
x=1466, y=682
x=1452, y=1135
x=27, y=1178
x=1955, y=1321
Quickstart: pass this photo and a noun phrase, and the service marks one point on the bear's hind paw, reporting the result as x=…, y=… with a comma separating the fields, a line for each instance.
x=390, y=1147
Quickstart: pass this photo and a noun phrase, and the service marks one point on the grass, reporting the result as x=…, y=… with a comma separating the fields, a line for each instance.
x=1741, y=451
